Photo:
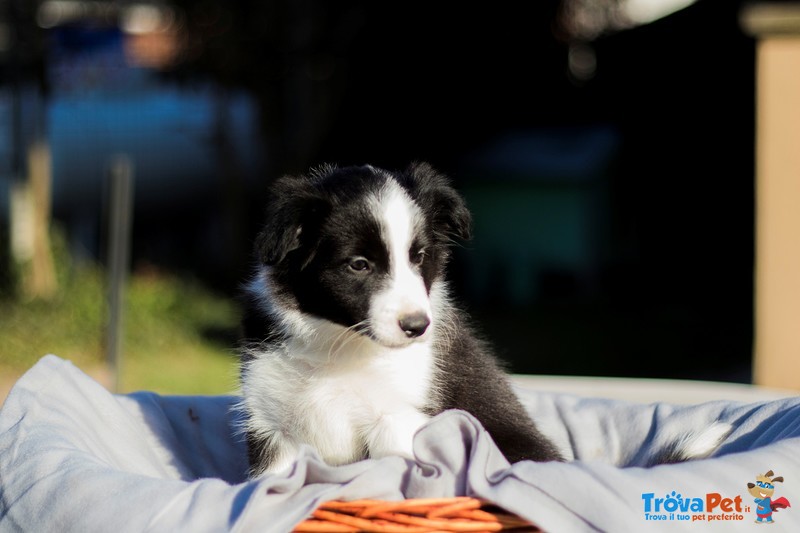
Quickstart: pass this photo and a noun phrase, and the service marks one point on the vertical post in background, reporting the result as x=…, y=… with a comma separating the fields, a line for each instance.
x=41, y=282
x=119, y=244
x=776, y=26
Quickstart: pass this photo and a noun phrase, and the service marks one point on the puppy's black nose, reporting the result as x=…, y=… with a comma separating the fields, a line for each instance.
x=414, y=325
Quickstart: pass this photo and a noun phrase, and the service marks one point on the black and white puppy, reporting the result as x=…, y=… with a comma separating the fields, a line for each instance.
x=352, y=343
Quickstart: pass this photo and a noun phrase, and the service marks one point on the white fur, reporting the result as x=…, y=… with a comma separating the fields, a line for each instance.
x=336, y=390
x=702, y=443
x=406, y=293
x=345, y=394
x=340, y=399
x=292, y=322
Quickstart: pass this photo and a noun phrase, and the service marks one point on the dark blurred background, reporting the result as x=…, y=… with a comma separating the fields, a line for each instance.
x=605, y=148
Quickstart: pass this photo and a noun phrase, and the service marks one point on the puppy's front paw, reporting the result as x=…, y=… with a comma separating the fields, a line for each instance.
x=393, y=434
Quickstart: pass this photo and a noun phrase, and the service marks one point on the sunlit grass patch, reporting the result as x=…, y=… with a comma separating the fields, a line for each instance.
x=179, y=337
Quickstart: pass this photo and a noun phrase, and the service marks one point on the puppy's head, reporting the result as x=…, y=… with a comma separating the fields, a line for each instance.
x=361, y=248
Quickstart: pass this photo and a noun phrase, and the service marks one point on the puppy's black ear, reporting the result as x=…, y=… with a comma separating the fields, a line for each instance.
x=436, y=195
x=295, y=209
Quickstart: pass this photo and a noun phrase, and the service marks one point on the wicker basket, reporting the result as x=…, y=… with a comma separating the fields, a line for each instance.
x=412, y=516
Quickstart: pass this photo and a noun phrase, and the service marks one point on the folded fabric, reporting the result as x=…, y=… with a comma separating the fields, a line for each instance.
x=74, y=457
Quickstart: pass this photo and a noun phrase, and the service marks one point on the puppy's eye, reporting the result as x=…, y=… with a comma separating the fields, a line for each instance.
x=418, y=257
x=359, y=264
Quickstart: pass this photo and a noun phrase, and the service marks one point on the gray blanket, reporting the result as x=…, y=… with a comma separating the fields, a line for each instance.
x=74, y=457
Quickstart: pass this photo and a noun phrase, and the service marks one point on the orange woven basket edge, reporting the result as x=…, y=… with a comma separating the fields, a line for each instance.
x=415, y=515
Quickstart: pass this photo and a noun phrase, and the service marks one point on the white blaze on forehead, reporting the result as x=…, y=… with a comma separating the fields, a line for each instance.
x=399, y=217
x=398, y=214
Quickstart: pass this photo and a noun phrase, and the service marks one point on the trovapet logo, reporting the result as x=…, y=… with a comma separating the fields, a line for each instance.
x=716, y=506
x=712, y=506
x=762, y=490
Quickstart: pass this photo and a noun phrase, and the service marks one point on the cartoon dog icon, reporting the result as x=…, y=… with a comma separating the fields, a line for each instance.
x=762, y=490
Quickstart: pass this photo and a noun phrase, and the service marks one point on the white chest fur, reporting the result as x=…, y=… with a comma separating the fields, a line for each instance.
x=361, y=399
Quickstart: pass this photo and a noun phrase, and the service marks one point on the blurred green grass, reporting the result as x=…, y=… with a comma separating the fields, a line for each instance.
x=179, y=336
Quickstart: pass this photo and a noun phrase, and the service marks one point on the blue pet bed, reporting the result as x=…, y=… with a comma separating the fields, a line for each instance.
x=74, y=457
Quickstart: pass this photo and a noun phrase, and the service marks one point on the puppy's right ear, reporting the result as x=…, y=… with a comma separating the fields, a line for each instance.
x=295, y=209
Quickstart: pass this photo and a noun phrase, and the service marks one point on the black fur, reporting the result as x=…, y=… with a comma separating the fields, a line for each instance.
x=474, y=382
x=316, y=223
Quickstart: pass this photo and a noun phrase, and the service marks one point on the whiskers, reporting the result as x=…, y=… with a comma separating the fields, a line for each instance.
x=347, y=336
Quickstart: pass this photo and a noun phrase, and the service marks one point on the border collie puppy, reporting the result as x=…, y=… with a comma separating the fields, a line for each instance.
x=352, y=343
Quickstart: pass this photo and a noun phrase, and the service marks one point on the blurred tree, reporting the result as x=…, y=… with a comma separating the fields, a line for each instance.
x=285, y=53
x=31, y=195
x=287, y=56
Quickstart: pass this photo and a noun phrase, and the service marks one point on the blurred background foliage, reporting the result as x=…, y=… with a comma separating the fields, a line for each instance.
x=605, y=147
x=178, y=333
